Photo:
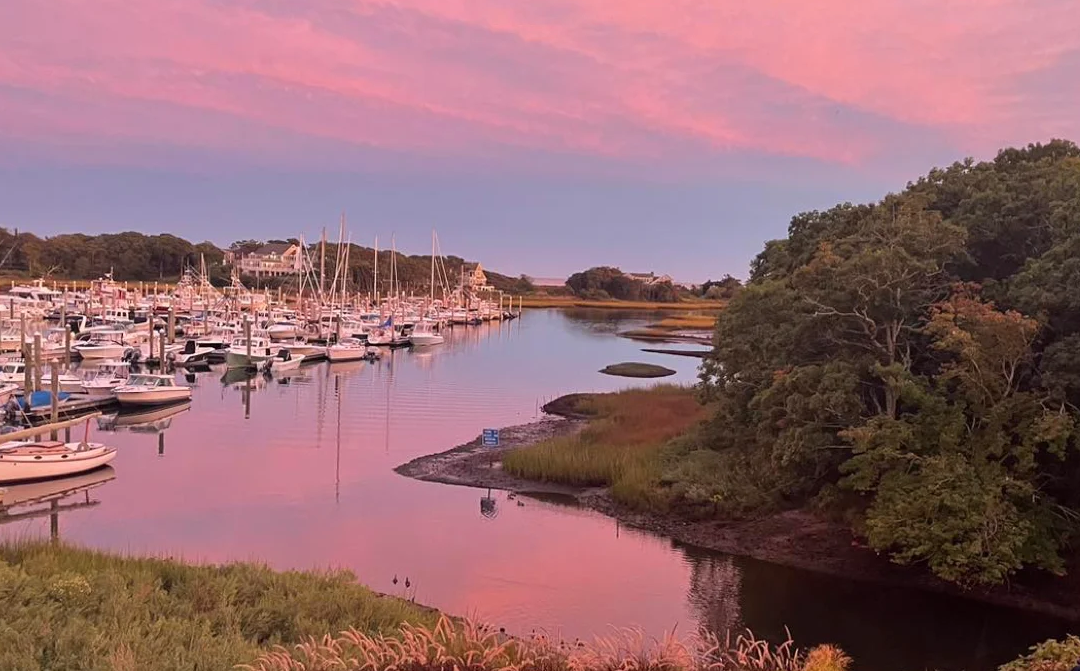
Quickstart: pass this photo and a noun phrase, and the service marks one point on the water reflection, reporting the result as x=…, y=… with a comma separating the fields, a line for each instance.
x=51, y=498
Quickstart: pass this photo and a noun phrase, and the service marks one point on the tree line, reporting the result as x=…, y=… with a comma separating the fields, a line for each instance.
x=134, y=256
x=913, y=365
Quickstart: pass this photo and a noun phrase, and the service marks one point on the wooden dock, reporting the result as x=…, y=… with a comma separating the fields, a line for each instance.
x=74, y=406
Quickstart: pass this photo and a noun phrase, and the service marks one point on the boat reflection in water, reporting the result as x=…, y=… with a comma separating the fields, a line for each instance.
x=155, y=420
x=51, y=497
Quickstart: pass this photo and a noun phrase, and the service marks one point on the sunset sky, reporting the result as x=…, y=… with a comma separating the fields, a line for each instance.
x=538, y=136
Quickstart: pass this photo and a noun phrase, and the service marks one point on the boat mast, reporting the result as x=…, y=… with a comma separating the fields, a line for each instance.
x=375, y=282
x=322, y=266
x=432, y=267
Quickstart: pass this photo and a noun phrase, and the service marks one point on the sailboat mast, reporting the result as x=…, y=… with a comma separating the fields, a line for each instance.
x=433, y=266
x=322, y=266
x=375, y=282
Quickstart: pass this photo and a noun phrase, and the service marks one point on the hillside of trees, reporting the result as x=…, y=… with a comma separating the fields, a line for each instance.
x=135, y=256
x=606, y=282
x=914, y=364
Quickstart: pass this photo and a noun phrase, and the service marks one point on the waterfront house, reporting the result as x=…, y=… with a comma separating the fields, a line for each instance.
x=274, y=259
x=474, y=279
x=650, y=278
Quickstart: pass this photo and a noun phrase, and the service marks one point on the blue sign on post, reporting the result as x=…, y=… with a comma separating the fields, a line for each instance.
x=490, y=438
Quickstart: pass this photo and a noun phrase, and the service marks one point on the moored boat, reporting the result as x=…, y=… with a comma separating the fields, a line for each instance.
x=145, y=389
x=244, y=355
x=22, y=461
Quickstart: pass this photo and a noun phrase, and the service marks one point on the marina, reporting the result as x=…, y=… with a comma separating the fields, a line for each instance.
x=297, y=470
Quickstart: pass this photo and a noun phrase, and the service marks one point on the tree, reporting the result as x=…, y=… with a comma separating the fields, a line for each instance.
x=914, y=363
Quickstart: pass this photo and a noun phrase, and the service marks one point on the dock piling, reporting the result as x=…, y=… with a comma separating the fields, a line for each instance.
x=37, y=361
x=54, y=384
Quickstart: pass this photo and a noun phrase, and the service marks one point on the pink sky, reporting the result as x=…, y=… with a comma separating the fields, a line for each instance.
x=819, y=101
x=635, y=80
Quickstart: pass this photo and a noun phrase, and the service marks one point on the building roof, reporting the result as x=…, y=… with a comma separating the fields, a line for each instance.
x=278, y=248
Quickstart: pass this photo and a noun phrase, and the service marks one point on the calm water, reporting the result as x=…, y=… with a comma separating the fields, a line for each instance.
x=298, y=473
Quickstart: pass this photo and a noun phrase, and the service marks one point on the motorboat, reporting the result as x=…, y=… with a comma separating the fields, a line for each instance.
x=13, y=372
x=387, y=336
x=283, y=330
x=102, y=345
x=147, y=389
x=194, y=353
x=22, y=461
x=303, y=349
x=7, y=390
x=424, y=335
x=108, y=376
x=244, y=355
x=285, y=361
x=72, y=384
x=348, y=349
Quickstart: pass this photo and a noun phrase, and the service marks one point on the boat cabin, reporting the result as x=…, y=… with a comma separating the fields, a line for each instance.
x=147, y=380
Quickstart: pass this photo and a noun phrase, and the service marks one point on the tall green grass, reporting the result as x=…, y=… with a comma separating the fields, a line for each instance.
x=621, y=447
x=68, y=608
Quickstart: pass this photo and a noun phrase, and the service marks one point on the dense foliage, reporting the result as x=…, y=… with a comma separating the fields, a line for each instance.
x=605, y=282
x=130, y=255
x=916, y=361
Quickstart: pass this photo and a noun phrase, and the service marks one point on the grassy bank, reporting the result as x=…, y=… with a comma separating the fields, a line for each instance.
x=68, y=608
x=681, y=322
x=623, y=446
x=573, y=302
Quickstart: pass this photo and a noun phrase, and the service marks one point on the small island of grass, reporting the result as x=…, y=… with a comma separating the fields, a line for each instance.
x=633, y=369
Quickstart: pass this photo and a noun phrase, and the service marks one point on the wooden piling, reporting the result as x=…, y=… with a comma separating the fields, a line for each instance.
x=161, y=353
x=37, y=361
x=172, y=325
x=54, y=384
x=67, y=345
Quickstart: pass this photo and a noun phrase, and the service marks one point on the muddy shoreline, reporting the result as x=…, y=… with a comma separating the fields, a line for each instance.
x=798, y=539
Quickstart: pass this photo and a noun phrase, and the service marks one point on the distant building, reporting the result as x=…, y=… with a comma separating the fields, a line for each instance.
x=271, y=260
x=650, y=278
x=474, y=279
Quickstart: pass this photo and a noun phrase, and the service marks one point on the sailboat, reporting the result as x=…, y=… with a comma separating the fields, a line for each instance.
x=424, y=333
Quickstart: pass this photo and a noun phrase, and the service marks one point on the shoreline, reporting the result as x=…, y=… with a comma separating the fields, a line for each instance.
x=797, y=539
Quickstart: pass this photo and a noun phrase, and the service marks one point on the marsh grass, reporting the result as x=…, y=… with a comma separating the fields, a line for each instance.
x=622, y=446
x=686, y=322
x=574, y=302
x=69, y=608
x=464, y=646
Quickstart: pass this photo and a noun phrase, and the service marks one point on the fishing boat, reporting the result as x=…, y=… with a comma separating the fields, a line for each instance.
x=108, y=376
x=424, y=335
x=243, y=355
x=26, y=460
x=348, y=349
x=285, y=361
x=146, y=389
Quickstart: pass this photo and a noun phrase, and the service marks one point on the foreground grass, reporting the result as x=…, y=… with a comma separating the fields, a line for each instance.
x=622, y=447
x=68, y=608
x=467, y=647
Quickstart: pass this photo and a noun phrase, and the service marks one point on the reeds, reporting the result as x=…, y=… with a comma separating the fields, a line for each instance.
x=686, y=322
x=466, y=646
x=621, y=448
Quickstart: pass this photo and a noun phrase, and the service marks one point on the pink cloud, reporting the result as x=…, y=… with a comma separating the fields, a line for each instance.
x=640, y=80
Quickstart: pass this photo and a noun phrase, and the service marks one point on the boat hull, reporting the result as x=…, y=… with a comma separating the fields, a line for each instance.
x=426, y=339
x=101, y=351
x=153, y=396
x=15, y=468
x=237, y=360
